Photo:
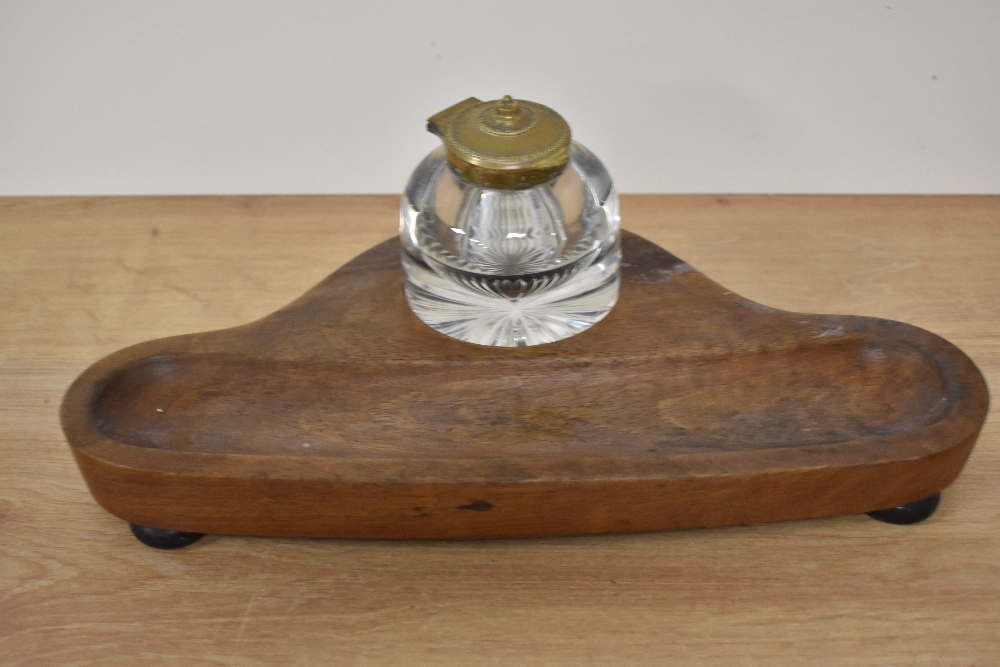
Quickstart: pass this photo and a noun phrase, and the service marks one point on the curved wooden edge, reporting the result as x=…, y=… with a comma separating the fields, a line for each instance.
x=315, y=508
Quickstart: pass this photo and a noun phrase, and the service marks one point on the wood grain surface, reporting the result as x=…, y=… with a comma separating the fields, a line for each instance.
x=81, y=278
x=688, y=406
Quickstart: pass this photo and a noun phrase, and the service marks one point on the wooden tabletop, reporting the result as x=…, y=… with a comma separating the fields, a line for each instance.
x=83, y=277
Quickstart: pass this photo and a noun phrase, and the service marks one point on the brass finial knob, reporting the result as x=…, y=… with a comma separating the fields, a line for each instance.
x=507, y=106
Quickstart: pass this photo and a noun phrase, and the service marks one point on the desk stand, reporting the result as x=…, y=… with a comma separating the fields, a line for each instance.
x=343, y=415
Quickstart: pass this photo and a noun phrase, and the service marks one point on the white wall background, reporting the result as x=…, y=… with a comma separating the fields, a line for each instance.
x=313, y=96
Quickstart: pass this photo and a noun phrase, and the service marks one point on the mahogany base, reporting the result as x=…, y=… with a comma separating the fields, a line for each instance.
x=343, y=415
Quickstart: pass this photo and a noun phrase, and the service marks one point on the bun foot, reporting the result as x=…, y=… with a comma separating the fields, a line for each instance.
x=905, y=515
x=158, y=538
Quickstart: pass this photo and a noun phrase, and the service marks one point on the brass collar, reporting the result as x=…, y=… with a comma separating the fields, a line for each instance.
x=503, y=144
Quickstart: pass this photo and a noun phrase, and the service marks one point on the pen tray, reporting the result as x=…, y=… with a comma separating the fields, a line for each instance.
x=344, y=415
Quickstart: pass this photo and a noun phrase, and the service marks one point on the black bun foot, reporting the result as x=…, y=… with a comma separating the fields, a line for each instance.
x=905, y=515
x=159, y=538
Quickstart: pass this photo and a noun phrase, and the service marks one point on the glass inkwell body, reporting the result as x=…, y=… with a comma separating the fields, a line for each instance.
x=510, y=230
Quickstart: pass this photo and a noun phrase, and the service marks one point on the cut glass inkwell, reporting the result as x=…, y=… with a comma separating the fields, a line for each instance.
x=510, y=230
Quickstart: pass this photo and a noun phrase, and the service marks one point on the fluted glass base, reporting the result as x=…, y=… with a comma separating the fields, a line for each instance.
x=513, y=311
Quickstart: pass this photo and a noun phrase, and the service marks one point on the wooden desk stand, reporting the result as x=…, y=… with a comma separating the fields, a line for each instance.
x=342, y=415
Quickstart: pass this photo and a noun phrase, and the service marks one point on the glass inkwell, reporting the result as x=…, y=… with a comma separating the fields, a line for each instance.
x=510, y=230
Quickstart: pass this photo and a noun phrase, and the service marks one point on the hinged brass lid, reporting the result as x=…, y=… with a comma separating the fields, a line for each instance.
x=505, y=144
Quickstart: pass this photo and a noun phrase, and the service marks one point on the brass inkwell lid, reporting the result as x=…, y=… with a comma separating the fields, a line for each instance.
x=503, y=144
